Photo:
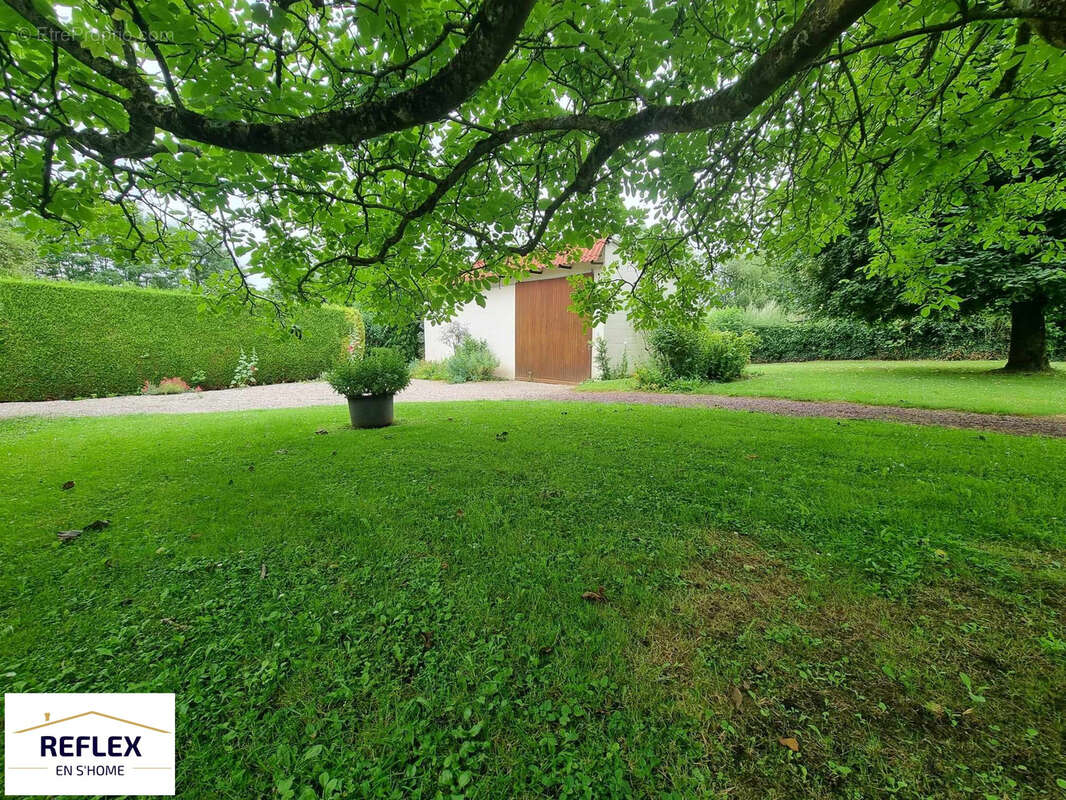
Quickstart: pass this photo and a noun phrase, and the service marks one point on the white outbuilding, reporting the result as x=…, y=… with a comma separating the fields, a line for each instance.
x=530, y=328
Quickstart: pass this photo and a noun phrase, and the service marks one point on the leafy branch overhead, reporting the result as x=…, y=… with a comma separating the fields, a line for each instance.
x=382, y=148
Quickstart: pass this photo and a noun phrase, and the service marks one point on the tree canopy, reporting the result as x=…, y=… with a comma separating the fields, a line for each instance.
x=380, y=149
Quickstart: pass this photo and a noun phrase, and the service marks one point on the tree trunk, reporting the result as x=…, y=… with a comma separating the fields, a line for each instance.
x=1028, y=337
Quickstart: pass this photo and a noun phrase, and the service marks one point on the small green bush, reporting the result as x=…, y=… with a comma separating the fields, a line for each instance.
x=429, y=371
x=472, y=361
x=166, y=386
x=383, y=370
x=606, y=370
x=651, y=378
x=702, y=355
x=63, y=340
x=724, y=354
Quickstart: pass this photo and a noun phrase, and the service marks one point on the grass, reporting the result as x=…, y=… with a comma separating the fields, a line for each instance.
x=889, y=596
x=962, y=385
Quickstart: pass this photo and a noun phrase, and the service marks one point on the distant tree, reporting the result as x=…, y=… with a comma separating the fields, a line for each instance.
x=207, y=257
x=116, y=257
x=94, y=260
x=755, y=281
x=981, y=276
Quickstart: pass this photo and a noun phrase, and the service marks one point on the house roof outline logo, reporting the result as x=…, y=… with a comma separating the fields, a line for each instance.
x=86, y=714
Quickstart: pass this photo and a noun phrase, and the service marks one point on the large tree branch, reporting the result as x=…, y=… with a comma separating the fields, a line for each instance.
x=493, y=32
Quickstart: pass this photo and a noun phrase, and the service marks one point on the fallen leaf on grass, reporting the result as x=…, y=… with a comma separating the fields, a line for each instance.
x=751, y=456
x=736, y=698
x=427, y=639
x=174, y=623
x=595, y=597
x=68, y=536
x=790, y=743
x=195, y=535
x=262, y=572
x=67, y=485
x=98, y=525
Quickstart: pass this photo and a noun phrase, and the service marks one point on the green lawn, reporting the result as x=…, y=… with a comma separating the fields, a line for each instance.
x=964, y=385
x=889, y=596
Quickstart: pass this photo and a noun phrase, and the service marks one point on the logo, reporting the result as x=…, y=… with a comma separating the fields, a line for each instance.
x=88, y=744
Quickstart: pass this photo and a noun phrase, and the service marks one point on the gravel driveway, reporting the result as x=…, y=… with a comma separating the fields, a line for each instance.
x=278, y=395
x=296, y=395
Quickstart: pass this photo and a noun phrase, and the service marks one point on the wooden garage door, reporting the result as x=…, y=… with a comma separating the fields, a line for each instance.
x=551, y=344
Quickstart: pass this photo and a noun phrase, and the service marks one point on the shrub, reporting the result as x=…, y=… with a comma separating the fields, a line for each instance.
x=430, y=371
x=454, y=334
x=383, y=370
x=247, y=367
x=165, y=386
x=676, y=350
x=702, y=355
x=61, y=340
x=472, y=361
x=725, y=354
x=603, y=362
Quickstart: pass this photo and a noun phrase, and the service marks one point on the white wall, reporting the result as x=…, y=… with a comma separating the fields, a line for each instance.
x=494, y=323
x=621, y=336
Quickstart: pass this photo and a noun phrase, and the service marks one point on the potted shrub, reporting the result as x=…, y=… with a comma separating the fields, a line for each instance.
x=369, y=383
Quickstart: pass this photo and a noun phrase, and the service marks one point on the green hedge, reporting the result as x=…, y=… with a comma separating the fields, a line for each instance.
x=835, y=339
x=64, y=340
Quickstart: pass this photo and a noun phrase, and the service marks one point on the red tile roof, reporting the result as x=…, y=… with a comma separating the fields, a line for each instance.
x=590, y=255
x=564, y=259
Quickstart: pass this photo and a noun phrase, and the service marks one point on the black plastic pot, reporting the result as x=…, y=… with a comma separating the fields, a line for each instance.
x=371, y=411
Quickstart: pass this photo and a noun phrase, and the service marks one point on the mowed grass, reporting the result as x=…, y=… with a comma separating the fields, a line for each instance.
x=963, y=385
x=398, y=613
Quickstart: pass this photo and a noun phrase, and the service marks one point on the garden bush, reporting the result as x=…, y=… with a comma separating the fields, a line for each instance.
x=945, y=338
x=63, y=340
x=383, y=370
x=429, y=370
x=472, y=361
x=700, y=354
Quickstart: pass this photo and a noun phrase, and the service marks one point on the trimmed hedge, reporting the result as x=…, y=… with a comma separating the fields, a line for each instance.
x=839, y=339
x=64, y=340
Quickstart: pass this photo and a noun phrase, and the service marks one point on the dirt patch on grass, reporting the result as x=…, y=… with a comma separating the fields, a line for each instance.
x=1001, y=423
x=944, y=693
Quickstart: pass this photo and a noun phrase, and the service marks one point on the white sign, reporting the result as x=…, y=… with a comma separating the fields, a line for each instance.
x=88, y=744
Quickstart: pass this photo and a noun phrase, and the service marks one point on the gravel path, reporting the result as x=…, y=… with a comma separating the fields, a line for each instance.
x=278, y=395
x=296, y=395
